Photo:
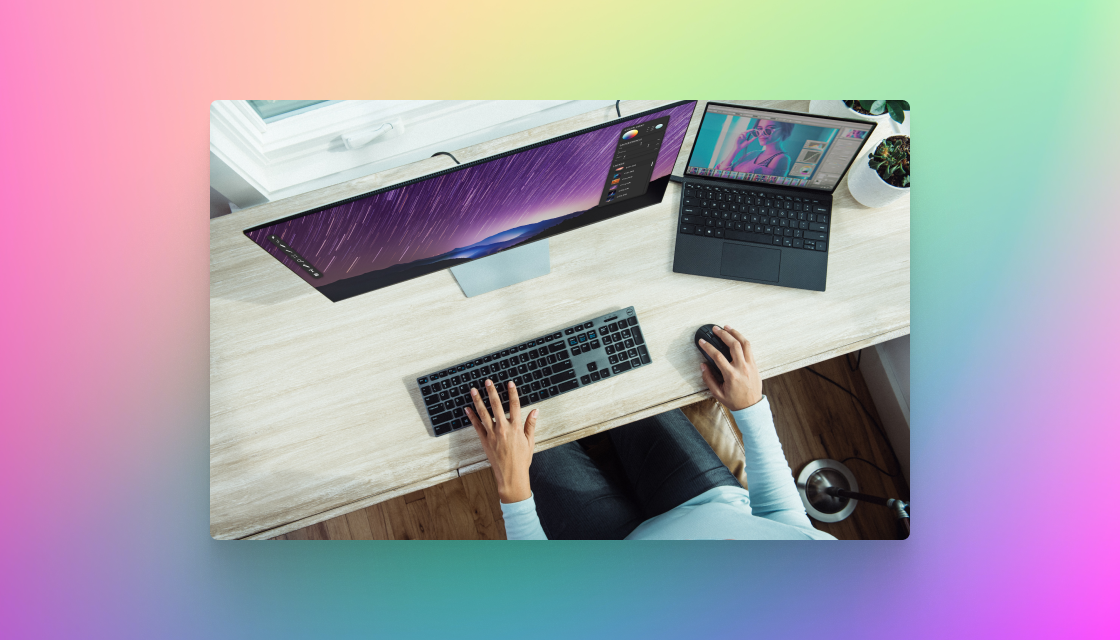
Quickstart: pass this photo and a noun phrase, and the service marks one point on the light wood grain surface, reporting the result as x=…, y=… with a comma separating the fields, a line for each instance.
x=313, y=407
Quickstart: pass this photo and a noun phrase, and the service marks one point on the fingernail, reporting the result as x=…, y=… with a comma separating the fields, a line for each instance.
x=510, y=384
x=489, y=384
x=474, y=392
x=703, y=341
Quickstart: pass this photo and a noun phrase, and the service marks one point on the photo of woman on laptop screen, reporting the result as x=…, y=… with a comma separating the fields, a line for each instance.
x=759, y=149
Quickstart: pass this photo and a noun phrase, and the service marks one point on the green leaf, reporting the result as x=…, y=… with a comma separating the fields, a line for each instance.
x=906, y=181
x=898, y=115
x=904, y=105
x=866, y=104
x=878, y=107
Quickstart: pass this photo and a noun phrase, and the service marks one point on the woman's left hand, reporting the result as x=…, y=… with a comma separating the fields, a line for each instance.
x=508, y=443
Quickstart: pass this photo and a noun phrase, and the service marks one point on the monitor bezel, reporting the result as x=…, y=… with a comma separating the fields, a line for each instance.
x=767, y=185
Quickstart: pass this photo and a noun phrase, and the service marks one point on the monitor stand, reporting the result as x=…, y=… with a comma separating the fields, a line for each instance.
x=503, y=269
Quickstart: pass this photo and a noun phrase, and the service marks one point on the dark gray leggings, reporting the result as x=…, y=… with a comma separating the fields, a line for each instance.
x=665, y=463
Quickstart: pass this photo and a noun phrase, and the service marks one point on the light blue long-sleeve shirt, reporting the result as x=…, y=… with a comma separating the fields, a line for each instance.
x=772, y=510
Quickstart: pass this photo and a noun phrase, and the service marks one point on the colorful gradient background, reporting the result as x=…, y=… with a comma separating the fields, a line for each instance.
x=103, y=463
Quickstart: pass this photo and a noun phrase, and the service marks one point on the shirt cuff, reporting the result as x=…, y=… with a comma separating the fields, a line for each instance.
x=758, y=412
x=522, y=508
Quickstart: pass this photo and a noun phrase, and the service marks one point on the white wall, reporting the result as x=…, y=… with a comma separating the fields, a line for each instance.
x=886, y=370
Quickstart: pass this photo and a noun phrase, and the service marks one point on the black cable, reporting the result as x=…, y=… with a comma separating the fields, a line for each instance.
x=859, y=356
x=877, y=467
x=444, y=153
x=871, y=417
x=616, y=109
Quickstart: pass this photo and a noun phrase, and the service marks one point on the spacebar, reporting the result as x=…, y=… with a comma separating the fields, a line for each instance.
x=749, y=237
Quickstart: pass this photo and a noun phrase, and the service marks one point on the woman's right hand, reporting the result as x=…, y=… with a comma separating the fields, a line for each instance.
x=742, y=386
x=745, y=138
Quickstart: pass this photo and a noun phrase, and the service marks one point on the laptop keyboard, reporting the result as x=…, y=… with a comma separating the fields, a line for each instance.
x=749, y=215
x=542, y=368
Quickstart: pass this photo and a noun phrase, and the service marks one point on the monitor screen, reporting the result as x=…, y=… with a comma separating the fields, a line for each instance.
x=478, y=209
x=775, y=147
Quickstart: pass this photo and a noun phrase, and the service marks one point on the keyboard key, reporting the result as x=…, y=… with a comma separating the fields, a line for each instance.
x=820, y=246
x=562, y=365
x=816, y=226
x=643, y=355
x=553, y=391
x=585, y=379
x=605, y=374
x=621, y=367
x=568, y=386
x=440, y=418
x=431, y=399
x=612, y=359
x=594, y=376
x=635, y=363
x=595, y=344
x=591, y=366
x=638, y=339
x=631, y=321
x=562, y=376
x=814, y=235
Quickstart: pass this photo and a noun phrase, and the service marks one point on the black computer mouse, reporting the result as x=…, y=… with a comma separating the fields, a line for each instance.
x=710, y=337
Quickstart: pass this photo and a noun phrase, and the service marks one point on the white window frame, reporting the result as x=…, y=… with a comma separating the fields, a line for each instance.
x=254, y=161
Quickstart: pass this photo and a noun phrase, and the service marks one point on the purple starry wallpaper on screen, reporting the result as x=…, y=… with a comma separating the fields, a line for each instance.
x=468, y=213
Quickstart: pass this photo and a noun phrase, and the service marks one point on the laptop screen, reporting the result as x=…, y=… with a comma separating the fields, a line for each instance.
x=749, y=144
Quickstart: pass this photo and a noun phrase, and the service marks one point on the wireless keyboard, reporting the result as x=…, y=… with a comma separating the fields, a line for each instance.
x=544, y=367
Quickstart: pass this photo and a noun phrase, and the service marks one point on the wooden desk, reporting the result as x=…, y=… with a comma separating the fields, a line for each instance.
x=313, y=409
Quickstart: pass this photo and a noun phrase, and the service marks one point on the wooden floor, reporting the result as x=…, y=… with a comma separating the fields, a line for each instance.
x=814, y=420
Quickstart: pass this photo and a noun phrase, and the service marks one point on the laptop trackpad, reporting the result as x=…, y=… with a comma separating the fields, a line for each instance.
x=756, y=263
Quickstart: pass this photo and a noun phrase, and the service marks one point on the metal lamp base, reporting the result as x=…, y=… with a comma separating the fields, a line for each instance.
x=815, y=479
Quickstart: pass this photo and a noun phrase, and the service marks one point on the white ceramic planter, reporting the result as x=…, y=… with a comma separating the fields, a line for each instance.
x=869, y=189
x=837, y=109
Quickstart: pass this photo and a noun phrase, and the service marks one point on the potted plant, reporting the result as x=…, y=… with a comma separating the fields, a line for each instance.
x=885, y=177
x=874, y=110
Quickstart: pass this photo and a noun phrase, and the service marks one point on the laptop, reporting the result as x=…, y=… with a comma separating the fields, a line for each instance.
x=756, y=196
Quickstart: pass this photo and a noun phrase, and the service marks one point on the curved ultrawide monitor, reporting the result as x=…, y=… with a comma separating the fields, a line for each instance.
x=475, y=210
